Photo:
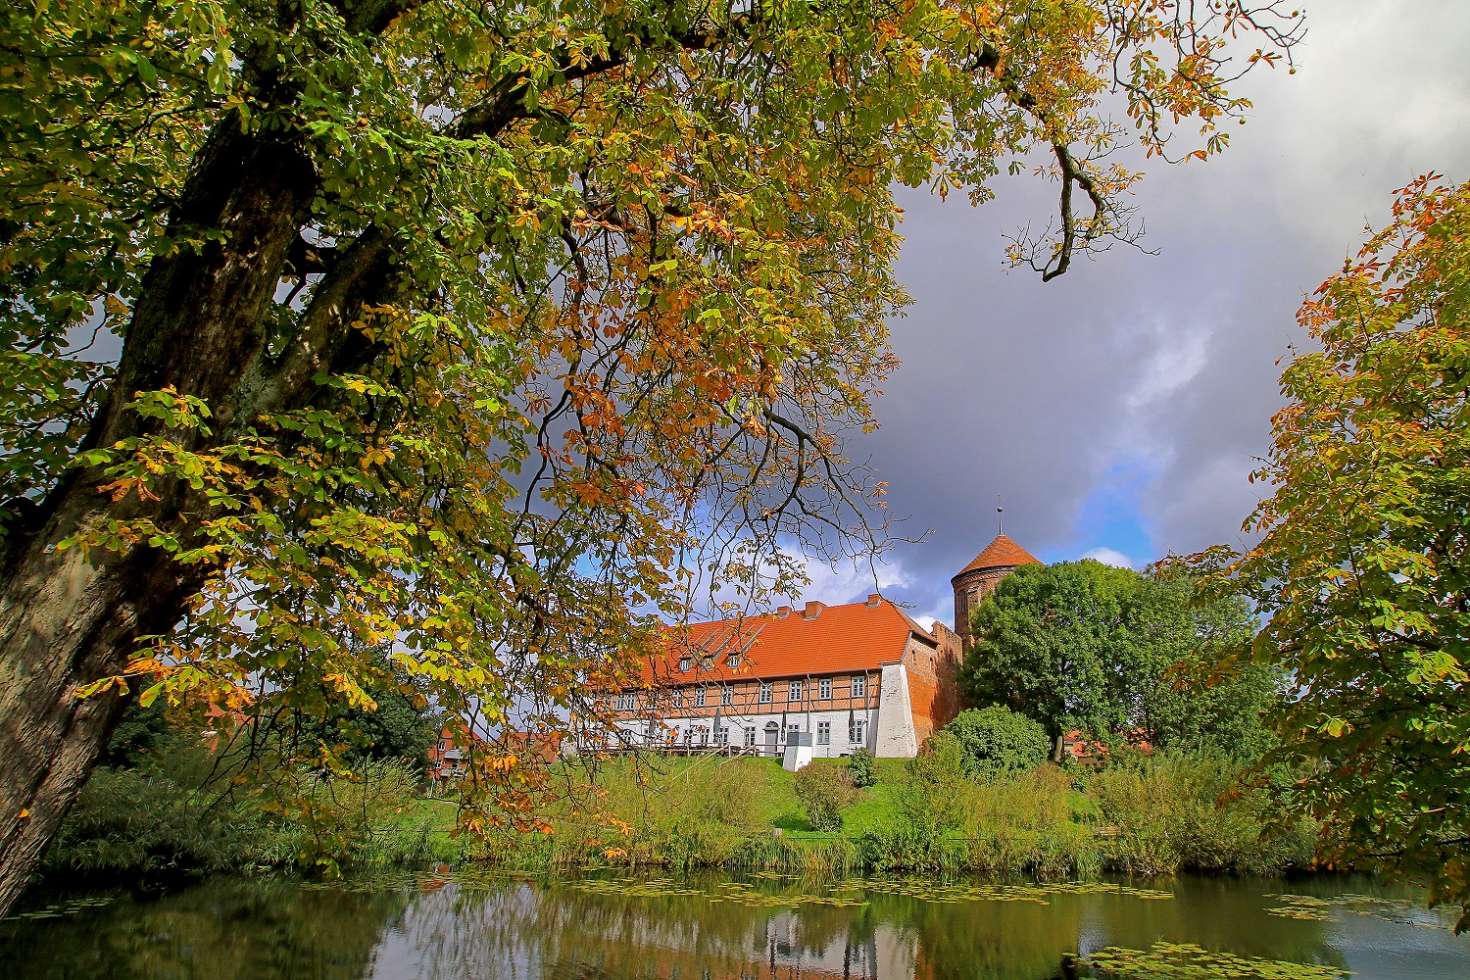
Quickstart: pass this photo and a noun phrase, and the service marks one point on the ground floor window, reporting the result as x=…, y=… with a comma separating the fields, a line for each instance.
x=722, y=735
x=750, y=738
x=857, y=731
x=824, y=733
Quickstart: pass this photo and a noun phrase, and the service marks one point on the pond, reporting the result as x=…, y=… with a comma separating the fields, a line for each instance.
x=479, y=924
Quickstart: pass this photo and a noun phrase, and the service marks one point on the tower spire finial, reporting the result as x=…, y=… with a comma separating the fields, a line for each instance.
x=999, y=516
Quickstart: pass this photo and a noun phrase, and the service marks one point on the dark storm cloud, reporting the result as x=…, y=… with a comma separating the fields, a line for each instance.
x=1158, y=365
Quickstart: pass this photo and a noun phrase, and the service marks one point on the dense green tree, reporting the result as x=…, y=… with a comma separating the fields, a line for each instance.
x=400, y=725
x=998, y=740
x=1104, y=650
x=1363, y=560
x=1054, y=643
x=1197, y=688
x=472, y=327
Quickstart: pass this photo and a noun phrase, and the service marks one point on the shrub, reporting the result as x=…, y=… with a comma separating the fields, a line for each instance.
x=934, y=793
x=862, y=769
x=998, y=740
x=1193, y=812
x=1034, y=823
x=156, y=819
x=823, y=791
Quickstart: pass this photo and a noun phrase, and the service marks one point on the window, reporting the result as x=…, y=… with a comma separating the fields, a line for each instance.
x=733, y=660
x=860, y=687
x=699, y=698
x=685, y=663
x=678, y=697
x=766, y=694
x=824, y=688
x=727, y=695
x=750, y=738
x=857, y=731
x=793, y=691
x=625, y=701
x=707, y=661
x=722, y=735
x=824, y=733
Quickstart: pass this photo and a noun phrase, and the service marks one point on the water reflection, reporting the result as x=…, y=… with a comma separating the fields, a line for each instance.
x=480, y=926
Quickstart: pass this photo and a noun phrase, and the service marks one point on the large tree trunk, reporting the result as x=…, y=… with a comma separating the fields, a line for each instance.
x=67, y=618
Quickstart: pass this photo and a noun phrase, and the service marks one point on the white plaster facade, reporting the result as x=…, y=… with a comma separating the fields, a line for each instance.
x=768, y=733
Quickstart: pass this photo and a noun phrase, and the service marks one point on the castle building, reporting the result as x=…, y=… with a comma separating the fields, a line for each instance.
x=822, y=681
x=979, y=578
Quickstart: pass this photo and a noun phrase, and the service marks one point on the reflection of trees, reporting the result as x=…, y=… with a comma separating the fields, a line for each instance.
x=1026, y=941
x=507, y=929
x=521, y=931
x=221, y=929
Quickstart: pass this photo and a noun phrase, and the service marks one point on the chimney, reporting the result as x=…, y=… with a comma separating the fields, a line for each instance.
x=813, y=610
x=783, y=611
x=873, y=600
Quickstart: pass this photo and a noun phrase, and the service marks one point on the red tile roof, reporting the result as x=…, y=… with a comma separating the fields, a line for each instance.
x=1000, y=553
x=837, y=639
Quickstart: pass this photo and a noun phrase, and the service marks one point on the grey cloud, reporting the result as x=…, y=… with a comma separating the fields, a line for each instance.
x=1038, y=391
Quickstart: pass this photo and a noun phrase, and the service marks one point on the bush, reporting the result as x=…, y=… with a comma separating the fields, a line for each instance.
x=823, y=791
x=998, y=740
x=1034, y=823
x=934, y=794
x=862, y=769
x=156, y=819
x=1193, y=812
x=365, y=819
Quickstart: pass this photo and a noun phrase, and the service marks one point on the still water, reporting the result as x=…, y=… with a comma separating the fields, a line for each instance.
x=480, y=925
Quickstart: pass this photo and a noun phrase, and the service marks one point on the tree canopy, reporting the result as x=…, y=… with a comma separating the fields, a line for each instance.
x=484, y=331
x=1052, y=642
x=1198, y=688
x=1107, y=651
x=1361, y=565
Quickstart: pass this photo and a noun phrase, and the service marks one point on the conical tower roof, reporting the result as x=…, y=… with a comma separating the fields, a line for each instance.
x=1000, y=553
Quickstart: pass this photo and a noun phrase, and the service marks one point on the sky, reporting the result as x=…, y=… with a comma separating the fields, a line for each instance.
x=1118, y=410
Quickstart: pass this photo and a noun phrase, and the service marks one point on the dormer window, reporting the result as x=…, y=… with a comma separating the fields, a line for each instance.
x=733, y=660
x=707, y=661
x=685, y=663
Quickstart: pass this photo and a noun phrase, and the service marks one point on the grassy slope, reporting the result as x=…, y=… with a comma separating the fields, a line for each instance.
x=773, y=791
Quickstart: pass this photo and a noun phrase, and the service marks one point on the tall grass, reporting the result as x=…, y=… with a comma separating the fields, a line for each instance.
x=1173, y=812
x=1143, y=816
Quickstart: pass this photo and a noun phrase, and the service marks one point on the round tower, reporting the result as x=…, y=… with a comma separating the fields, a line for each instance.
x=979, y=578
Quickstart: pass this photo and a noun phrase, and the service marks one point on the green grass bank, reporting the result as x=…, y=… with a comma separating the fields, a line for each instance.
x=1143, y=816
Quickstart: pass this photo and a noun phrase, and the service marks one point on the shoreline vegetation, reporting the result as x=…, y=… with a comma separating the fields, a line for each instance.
x=1140, y=815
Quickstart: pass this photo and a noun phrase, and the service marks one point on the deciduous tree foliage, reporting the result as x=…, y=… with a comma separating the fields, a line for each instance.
x=480, y=329
x=1198, y=689
x=1107, y=651
x=1053, y=642
x=1362, y=564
